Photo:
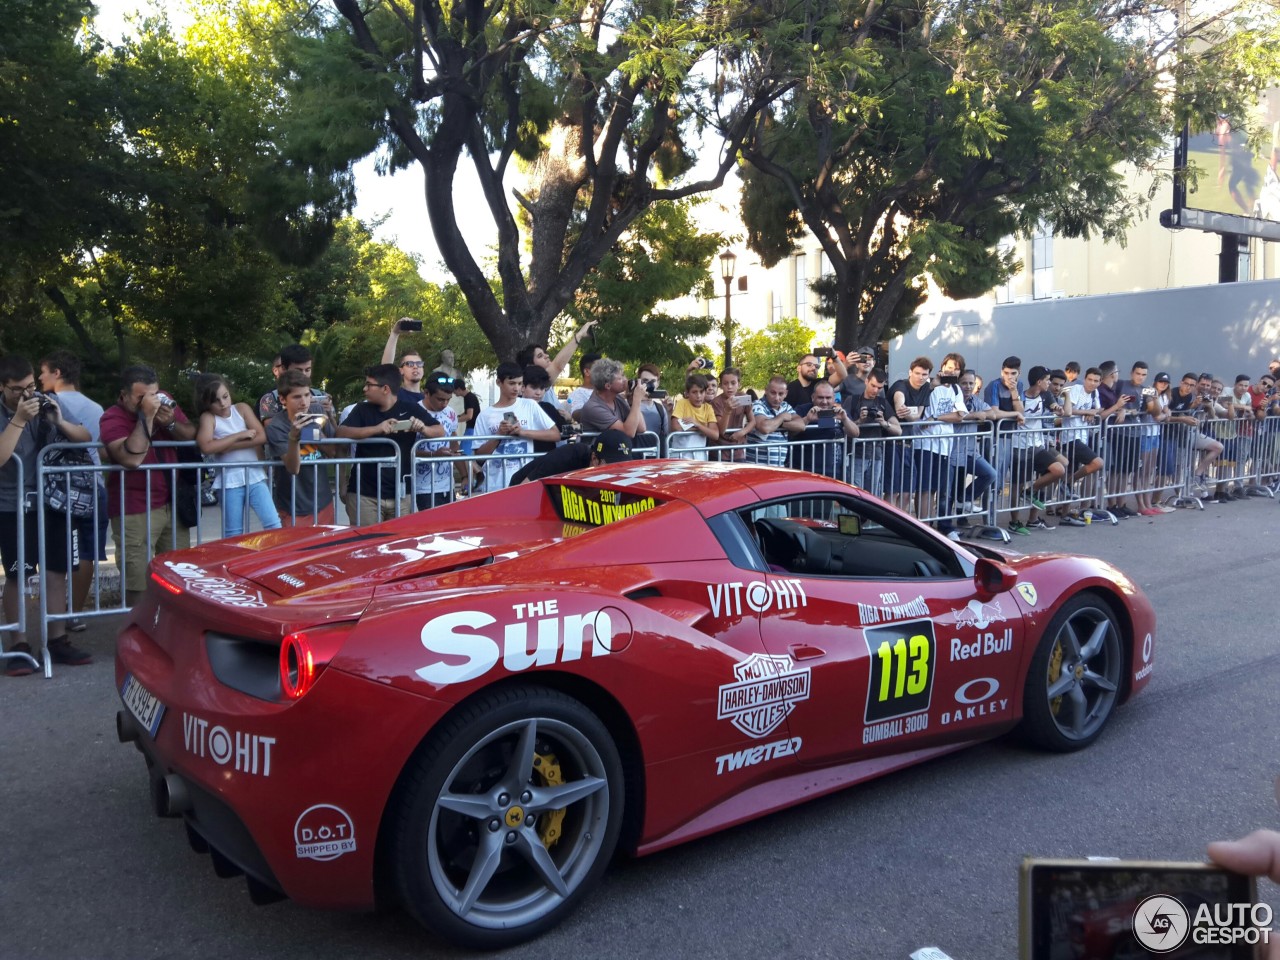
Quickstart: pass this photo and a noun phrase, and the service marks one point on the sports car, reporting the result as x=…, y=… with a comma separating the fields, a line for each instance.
x=468, y=710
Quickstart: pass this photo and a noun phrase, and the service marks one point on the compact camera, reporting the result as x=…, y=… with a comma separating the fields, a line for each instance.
x=166, y=401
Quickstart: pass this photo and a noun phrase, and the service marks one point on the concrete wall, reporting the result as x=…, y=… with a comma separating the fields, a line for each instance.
x=1226, y=329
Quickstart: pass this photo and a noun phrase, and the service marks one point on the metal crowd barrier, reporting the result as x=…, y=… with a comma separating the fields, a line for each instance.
x=974, y=478
x=19, y=575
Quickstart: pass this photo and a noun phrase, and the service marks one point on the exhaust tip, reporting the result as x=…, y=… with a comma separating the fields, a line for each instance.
x=169, y=796
x=126, y=731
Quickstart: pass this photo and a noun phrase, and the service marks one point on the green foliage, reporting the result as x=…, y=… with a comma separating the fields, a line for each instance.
x=923, y=135
x=773, y=351
x=599, y=103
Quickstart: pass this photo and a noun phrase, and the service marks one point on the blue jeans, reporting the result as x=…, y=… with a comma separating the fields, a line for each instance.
x=259, y=496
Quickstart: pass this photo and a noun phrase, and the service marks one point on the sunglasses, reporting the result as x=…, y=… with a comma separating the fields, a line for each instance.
x=412, y=363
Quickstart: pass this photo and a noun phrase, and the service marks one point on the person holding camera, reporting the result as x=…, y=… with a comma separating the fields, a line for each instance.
x=379, y=491
x=302, y=492
x=295, y=357
x=29, y=421
x=606, y=409
x=657, y=417
x=876, y=419
x=800, y=390
x=535, y=354
x=142, y=523
x=859, y=363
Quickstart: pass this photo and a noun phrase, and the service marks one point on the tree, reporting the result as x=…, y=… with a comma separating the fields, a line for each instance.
x=599, y=102
x=58, y=154
x=773, y=351
x=923, y=133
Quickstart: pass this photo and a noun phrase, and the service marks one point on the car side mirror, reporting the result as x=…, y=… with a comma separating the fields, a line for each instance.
x=991, y=577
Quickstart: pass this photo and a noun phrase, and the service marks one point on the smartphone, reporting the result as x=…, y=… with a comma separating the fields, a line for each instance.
x=1103, y=909
x=407, y=324
x=402, y=425
x=743, y=401
x=509, y=417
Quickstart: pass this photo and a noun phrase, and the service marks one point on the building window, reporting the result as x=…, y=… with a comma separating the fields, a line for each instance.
x=1042, y=261
x=802, y=287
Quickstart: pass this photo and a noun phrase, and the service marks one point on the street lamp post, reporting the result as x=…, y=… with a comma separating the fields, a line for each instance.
x=727, y=263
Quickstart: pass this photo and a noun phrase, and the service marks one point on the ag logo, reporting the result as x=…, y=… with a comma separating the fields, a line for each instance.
x=766, y=691
x=1028, y=591
x=1161, y=923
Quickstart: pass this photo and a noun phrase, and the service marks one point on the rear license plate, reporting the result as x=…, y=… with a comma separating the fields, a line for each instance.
x=143, y=704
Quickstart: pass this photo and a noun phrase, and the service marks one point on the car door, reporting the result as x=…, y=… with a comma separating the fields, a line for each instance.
x=900, y=650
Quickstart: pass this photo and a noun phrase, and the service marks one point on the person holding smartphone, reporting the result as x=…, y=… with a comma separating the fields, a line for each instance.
x=380, y=491
x=302, y=492
x=820, y=449
x=512, y=425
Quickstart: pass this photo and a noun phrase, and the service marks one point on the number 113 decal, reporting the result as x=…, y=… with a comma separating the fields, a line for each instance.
x=902, y=660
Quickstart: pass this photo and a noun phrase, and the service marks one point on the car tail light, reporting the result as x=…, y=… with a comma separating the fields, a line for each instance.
x=303, y=656
x=171, y=587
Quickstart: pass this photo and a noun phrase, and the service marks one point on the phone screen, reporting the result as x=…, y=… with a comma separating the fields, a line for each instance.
x=1120, y=909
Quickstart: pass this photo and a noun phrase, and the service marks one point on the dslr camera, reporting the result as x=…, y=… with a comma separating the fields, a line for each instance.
x=570, y=431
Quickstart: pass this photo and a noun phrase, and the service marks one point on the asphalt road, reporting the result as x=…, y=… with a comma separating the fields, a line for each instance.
x=928, y=856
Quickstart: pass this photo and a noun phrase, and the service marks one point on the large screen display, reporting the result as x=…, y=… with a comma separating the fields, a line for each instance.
x=1236, y=177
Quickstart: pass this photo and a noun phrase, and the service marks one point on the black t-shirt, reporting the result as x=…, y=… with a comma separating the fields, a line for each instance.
x=369, y=480
x=549, y=408
x=798, y=395
x=572, y=456
x=1180, y=406
x=410, y=396
x=471, y=404
x=869, y=429
x=912, y=398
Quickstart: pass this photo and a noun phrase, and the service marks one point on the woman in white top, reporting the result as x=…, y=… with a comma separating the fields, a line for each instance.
x=231, y=433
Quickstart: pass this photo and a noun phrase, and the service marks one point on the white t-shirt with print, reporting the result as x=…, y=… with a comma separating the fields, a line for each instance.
x=497, y=473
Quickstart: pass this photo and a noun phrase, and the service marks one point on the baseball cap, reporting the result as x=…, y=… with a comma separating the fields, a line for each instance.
x=612, y=446
x=1162, y=378
x=869, y=351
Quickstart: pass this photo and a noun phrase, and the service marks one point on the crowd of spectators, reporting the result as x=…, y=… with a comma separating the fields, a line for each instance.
x=953, y=444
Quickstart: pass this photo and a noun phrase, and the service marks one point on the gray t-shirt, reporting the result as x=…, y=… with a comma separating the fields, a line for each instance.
x=598, y=416
x=34, y=433
x=312, y=486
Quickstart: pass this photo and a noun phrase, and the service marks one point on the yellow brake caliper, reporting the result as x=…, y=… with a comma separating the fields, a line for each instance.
x=547, y=768
x=1055, y=671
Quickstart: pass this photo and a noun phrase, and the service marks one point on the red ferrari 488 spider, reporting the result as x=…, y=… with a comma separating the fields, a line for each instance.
x=470, y=709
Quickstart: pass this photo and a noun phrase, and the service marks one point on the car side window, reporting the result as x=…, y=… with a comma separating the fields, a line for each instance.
x=846, y=538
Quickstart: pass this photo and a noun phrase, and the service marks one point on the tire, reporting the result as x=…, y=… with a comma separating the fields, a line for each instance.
x=511, y=814
x=1074, y=678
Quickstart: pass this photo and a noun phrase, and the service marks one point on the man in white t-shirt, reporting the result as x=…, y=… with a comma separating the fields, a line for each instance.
x=1081, y=413
x=513, y=423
